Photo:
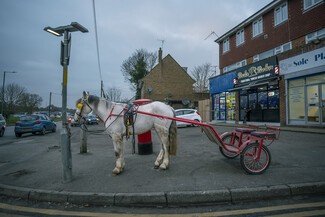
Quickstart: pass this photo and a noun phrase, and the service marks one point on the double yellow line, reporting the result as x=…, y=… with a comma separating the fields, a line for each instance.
x=318, y=212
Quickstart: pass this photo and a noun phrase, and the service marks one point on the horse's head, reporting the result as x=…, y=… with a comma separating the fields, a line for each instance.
x=82, y=107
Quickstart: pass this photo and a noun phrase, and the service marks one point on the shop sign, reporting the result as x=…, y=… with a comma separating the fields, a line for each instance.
x=264, y=69
x=304, y=61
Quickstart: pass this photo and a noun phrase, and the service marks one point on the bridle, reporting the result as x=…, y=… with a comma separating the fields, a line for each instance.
x=81, y=106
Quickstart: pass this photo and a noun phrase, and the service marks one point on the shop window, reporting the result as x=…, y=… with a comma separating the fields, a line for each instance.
x=296, y=83
x=315, y=79
x=296, y=99
x=262, y=100
x=252, y=101
x=273, y=99
x=243, y=106
x=231, y=103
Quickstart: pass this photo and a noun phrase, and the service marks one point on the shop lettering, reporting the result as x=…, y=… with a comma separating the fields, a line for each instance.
x=303, y=61
x=255, y=71
x=320, y=56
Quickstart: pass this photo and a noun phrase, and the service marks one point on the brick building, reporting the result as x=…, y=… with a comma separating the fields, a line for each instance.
x=169, y=82
x=273, y=66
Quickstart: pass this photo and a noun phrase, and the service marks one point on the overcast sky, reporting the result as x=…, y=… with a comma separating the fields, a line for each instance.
x=123, y=27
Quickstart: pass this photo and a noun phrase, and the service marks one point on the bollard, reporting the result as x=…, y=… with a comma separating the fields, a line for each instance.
x=144, y=140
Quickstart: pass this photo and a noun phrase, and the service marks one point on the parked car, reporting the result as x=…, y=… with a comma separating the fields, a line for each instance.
x=74, y=123
x=190, y=114
x=91, y=119
x=2, y=125
x=36, y=123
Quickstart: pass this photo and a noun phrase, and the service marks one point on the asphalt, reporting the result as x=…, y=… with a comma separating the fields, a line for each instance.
x=199, y=174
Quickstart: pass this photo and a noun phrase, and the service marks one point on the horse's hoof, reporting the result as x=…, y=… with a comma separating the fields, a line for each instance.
x=116, y=171
x=163, y=167
x=156, y=167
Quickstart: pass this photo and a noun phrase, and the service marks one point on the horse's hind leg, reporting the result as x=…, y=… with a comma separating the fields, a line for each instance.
x=159, y=158
x=119, y=154
x=163, y=157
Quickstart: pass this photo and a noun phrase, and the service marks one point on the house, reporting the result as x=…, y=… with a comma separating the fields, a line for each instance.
x=272, y=66
x=169, y=82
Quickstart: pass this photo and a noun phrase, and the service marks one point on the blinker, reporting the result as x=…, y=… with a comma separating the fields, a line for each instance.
x=79, y=106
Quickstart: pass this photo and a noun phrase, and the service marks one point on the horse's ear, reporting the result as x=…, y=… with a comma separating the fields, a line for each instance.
x=85, y=94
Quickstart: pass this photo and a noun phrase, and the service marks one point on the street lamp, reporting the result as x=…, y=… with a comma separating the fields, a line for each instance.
x=3, y=89
x=65, y=55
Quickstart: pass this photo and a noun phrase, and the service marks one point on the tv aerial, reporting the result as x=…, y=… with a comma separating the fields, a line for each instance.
x=162, y=42
x=212, y=33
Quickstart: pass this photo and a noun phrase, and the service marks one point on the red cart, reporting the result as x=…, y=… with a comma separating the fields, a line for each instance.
x=247, y=142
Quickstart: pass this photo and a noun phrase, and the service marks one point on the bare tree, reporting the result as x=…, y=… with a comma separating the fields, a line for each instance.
x=17, y=99
x=201, y=75
x=138, y=66
x=12, y=97
x=114, y=94
x=30, y=102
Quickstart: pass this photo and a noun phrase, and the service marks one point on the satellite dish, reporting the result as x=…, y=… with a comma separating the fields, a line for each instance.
x=185, y=101
x=149, y=90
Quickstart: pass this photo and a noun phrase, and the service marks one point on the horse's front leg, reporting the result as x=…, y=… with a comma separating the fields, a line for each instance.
x=119, y=154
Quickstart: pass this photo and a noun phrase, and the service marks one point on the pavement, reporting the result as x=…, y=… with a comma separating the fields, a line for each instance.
x=199, y=174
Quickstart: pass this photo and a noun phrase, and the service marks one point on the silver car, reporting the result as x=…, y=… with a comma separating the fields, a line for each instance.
x=190, y=114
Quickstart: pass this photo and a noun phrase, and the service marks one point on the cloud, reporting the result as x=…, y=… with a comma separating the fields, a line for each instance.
x=123, y=27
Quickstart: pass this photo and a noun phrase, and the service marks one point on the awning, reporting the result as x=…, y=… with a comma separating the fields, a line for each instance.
x=253, y=84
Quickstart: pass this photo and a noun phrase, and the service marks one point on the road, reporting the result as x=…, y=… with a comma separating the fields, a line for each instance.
x=296, y=158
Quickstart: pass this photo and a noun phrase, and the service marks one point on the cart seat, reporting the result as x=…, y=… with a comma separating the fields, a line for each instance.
x=245, y=130
x=264, y=135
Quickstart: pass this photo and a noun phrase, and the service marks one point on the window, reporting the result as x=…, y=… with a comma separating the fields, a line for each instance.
x=282, y=48
x=273, y=99
x=310, y=3
x=266, y=54
x=235, y=66
x=315, y=36
x=241, y=63
x=240, y=39
x=280, y=14
x=256, y=58
x=258, y=27
x=226, y=46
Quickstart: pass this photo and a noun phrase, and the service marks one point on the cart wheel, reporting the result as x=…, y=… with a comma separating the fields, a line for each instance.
x=249, y=162
x=227, y=140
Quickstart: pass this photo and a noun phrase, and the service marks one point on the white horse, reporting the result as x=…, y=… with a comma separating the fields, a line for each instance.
x=112, y=114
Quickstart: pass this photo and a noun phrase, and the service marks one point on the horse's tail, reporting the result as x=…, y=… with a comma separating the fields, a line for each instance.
x=173, y=137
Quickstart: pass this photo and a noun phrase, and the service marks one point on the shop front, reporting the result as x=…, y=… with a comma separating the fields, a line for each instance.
x=258, y=88
x=304, y=76
x=223, y=102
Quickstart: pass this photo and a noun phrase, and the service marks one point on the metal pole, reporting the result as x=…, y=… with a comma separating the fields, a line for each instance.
x=65, y=132
x=3, y=92
x=50, y=105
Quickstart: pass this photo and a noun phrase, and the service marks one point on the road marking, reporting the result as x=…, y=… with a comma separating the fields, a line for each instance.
x=207, y=214
x=301, y=214
x=23, y=141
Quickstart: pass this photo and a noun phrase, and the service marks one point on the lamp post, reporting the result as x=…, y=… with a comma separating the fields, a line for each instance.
x=65, y=55
x=3, y=89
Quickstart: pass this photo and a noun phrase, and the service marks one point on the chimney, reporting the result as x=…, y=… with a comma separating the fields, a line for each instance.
x=160, y=55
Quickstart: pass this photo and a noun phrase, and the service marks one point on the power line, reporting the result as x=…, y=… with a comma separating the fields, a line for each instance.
x=98, y=59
